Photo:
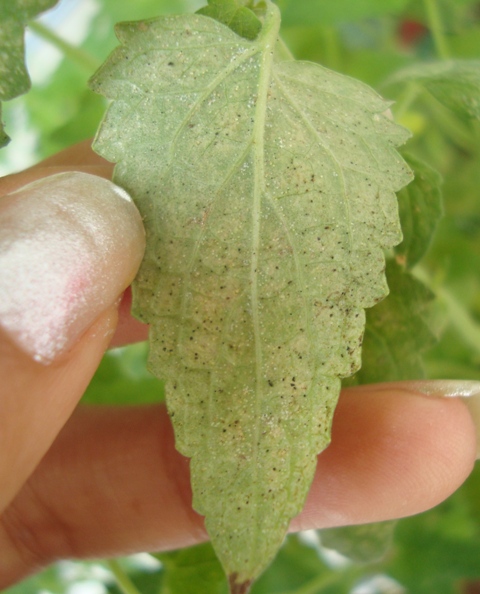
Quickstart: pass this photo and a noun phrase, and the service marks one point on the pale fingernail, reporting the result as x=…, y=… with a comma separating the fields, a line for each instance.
x=468, y=390
x=69, y=245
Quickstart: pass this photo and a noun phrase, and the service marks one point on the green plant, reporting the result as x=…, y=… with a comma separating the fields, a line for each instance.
x=398, y=330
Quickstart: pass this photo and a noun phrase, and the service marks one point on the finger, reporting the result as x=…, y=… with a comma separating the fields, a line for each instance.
x=394, y=454
x=113, y=484
x=69, y=245
x=82, y=158
x=129, y=329
x=79, y=157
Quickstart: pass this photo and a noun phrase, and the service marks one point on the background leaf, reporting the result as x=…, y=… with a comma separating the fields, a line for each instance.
x=239, y=19
x=122, y=378
x=397, y=332
x=193, y=571
x=455, y=84
x=3, y=137
x=272, y=177
x=14, y=79
x=367, y=543
x=420, y=207
x=306, y=12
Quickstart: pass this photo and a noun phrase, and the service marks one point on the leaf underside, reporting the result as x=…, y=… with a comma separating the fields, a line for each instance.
x=267, y=191
x=14, y=79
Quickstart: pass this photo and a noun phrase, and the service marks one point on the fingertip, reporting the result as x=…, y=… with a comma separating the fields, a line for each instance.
x=393, y=453
x=70, y=245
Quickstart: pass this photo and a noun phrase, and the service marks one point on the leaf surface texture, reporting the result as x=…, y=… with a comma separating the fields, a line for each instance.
x=267, y=191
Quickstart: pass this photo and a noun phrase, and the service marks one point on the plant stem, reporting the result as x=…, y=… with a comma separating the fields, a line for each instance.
x=436, y=28
x=76, y=54
x=124, y=583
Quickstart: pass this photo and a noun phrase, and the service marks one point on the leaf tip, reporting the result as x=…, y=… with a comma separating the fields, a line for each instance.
x=238, y=587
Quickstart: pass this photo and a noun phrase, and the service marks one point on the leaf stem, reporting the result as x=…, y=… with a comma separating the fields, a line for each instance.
x=124, y=583
x=436, y=27
x=75, y=54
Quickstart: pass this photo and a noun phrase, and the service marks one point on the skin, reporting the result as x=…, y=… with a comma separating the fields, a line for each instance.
x=82, y=482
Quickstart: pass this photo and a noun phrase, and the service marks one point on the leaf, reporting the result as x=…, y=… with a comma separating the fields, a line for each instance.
x=195, y=570
x=3, y=137
x=397, y=332
x=239, y=19
x=366, y=543
x=454, y=83
x=296, y=566
x=420, y=206
x=309, y=12
x=267, y=191
x=438, y=551
x=122, y=378
x=14, y=79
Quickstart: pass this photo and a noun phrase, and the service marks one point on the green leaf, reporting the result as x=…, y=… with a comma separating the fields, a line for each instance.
x=308, y=12
x=267, y=191
x=397, y=332
x=195, y=570
x=239, y=19
x=366, y=543
x=454, y=83
x=4, y=139
x=14, y=79
x=295, y=568
x=122, y=378
x=420, y=206
x=438, y=551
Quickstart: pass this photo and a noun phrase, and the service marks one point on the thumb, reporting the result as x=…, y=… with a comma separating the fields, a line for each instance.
x=69, y=245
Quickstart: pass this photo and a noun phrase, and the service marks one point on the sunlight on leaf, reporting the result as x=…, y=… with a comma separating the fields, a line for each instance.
x=267, y=191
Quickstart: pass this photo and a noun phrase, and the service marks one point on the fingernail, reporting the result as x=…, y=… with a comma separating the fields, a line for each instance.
x=69, y=245
x=468, y=390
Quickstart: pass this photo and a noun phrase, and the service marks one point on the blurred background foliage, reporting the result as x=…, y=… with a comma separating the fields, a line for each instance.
x=436, y=334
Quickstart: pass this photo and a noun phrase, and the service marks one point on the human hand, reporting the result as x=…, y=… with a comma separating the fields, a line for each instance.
x=105, y=481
